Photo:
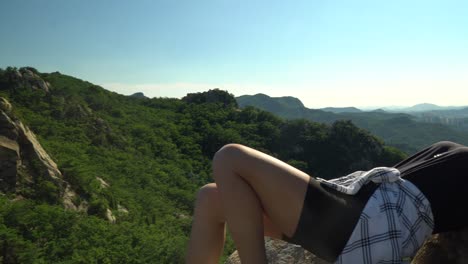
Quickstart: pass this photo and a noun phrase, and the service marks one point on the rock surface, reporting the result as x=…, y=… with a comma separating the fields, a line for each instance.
x=9, y=158
x=281, y=252
x=23, y=160
x=450, y=247
x=102, y=182
x=447, y=248
x=139, y=95
x=27, y=77
x=110, y=216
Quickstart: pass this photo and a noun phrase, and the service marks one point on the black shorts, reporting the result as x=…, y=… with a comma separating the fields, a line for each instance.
x=328, y=217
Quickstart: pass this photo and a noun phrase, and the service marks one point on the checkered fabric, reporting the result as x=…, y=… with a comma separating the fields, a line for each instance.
x=352, y=183
x=395, y=222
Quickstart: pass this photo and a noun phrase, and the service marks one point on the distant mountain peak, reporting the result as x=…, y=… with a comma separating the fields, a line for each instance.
x=338, y=110
x=424, y=107
x=138, y=95
x=263, y=99
x=425, y=104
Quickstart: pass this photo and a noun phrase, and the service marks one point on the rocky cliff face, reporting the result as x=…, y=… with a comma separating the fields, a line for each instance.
x=26, y=170
x=447, y=248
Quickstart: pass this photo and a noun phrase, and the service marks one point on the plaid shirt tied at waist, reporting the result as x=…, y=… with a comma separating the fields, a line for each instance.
x=393, y=225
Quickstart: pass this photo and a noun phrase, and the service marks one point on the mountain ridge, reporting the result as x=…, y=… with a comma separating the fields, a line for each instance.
x=404, y=130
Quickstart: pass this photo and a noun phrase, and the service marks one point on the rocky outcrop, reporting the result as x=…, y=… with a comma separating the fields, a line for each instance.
x=139, y=95
x=447, y=248
x=450, y=247
x=102, y=182
x=9, y=157
x=281, y=252
x=121, y=209
x=28, y=77
x=24, y=163
x=110, y=216
x=101, y=126
x=9, y=148
x=78, y=111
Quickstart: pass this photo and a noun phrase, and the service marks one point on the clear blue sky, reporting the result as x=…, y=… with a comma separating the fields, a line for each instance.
x=327, y=53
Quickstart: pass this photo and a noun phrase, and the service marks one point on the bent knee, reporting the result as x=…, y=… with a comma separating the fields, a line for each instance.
x=228, y=152
x=206, y=192
x=208, y=202
x=229, y=149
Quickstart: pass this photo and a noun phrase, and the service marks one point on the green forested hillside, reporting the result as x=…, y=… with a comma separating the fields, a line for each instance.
x=401, y=130
x=154, y=154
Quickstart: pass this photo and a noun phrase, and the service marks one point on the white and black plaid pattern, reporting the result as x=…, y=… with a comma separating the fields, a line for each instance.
x=352, y=183
x=394, y=223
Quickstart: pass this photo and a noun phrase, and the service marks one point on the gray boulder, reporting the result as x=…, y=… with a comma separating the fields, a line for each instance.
x=26, y=77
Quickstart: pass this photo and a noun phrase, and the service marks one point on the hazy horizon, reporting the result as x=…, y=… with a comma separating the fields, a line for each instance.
x=366, y=108
x=327, y=54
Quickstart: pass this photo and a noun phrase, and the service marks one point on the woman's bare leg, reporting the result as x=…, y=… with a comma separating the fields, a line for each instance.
x=251, y=182
x=208, y=228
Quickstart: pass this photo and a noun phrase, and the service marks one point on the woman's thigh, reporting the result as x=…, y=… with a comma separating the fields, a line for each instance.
x=280, y=187
x=208, y=198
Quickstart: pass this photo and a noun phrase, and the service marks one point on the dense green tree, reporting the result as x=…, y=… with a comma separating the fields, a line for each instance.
x=212, y=96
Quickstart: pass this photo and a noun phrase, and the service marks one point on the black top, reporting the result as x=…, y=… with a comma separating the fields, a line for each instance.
x=441, y=173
